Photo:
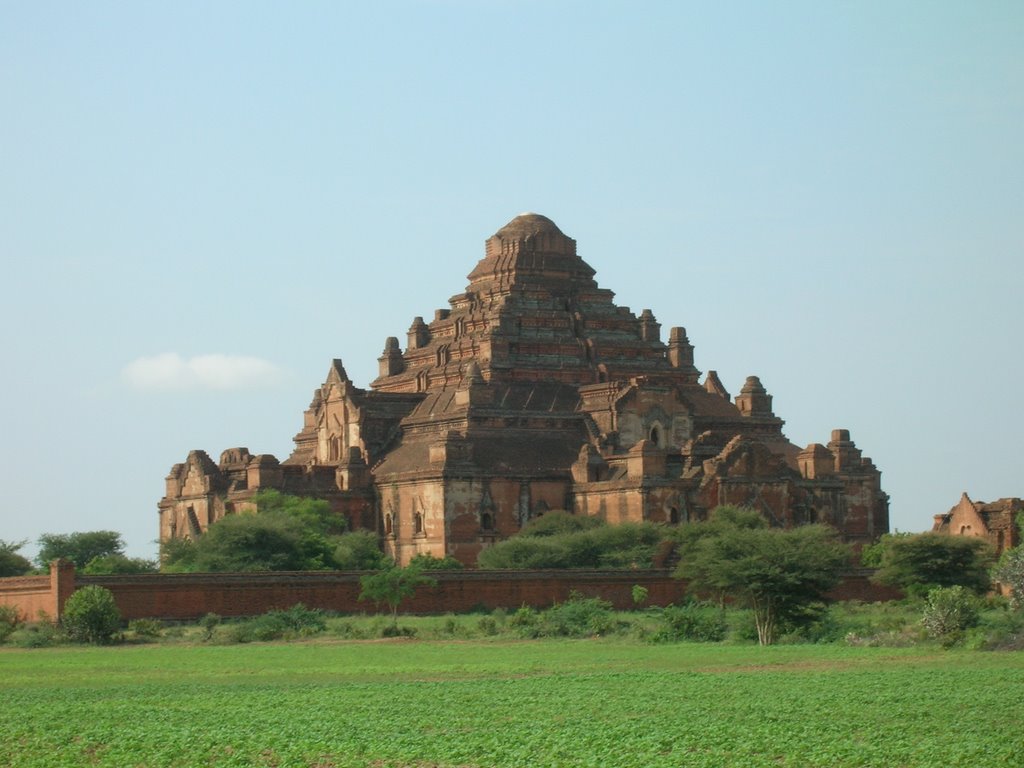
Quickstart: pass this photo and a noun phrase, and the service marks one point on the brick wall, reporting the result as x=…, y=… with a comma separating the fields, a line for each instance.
x=189, y=596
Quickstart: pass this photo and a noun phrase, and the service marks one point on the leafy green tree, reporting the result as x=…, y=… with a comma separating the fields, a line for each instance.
x=1010, y=573
x=91, y=615
x=118, y=564
x=592, y=545
x=780, y=574
x=287, y=533
x=11, y=563
x=393, y=586
x=948, y=611
x=920, y=562
x=79, y=548
x=256, y=542
x=359, y=551
x=427, y=562
x=316, y=513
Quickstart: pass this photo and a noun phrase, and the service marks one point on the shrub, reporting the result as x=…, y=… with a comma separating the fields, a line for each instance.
x=948, y=612
x=595, y=545
x=579, y=617
x=146, y=628
x=487, y=625
x=696, y=622
x=39, y=635
x=209, y=623
x=297, y=621
x=116, y=563
x=639, y=594
x=525, y=621
x=427, y=562
x=10, y=620
x=359, y=551
x=919, y=562
x=91, y=615
x=1010, y=573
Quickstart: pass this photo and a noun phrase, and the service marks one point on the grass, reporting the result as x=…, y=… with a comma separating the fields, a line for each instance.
x=497, y=702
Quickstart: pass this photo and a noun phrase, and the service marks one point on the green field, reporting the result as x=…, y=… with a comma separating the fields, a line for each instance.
x=509, y=703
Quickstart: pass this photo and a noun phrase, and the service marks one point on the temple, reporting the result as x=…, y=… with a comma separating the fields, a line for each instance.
x=995, y=522
x=534, y=391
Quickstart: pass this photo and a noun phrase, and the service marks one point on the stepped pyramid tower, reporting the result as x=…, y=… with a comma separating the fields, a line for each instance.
x=534, y=391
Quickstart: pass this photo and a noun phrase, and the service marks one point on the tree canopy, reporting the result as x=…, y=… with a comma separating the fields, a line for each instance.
x=393, y=586
x=562, y=540
x=920, y=562
x=287, y=533
x=11, y=563
x=781, y=574
x=79, y=547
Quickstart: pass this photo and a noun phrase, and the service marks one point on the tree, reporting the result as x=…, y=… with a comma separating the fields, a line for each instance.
x=118, y=564
x=919, y=563
x=392, y=586
x=316, y=513
x=254, y=542
x=570, y=541
x=11, y=563
x=79, y=547
x=359, y=551
x=91, y=615
x=286, y=533
x=1010, y=573
x=948, y=611
x=780, y=574
x=427, y=562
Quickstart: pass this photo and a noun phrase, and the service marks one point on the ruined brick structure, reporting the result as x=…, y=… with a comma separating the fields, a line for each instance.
x=996, y=522
x=533, y=391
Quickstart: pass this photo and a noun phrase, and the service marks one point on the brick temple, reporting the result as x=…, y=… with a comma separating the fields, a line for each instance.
x=533, y=391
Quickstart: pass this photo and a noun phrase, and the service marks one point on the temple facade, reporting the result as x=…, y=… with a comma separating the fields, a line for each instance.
x=995, y=522
x=534, y=391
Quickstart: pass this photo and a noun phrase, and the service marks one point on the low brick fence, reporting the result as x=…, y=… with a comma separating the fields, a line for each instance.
x=190, y=596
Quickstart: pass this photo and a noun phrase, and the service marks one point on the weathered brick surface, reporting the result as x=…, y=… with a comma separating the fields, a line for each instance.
x=190, y=596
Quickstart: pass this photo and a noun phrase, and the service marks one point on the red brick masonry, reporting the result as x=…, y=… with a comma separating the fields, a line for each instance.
x=190, y=596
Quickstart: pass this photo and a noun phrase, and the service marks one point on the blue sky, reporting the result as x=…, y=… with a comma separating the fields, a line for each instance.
x=202, y=204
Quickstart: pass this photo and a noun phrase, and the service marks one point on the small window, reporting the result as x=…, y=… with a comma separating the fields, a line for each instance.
x=656, y=435
x=418, y=524
x=388, y=525
x=673, y=516
x=486, y=522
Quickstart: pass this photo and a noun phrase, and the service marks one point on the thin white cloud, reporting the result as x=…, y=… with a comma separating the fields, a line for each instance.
x=170, y=372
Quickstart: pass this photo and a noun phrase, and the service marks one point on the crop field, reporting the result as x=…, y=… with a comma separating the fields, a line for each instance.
x=509, y=703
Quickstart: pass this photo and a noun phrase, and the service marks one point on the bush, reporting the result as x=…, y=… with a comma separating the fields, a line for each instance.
x=40, y=635
x=948, y=612
x=148, y=629
x=591, y=544
x=10, y=620
x=359, y=551
x=427, y=562
x=920, y=562
x=487, y=625
x=117, y=563
x=209, y=624
x=579, y=617
x=91, y=615
x=695, y=622
x=297, y=621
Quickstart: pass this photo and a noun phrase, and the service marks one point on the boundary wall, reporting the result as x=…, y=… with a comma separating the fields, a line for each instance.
x=190, y=596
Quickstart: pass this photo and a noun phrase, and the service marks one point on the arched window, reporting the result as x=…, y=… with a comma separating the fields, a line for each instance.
x=486, y=522
x=673, y=516
x=388, y=525
x=656, y=435
x=418, y=524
